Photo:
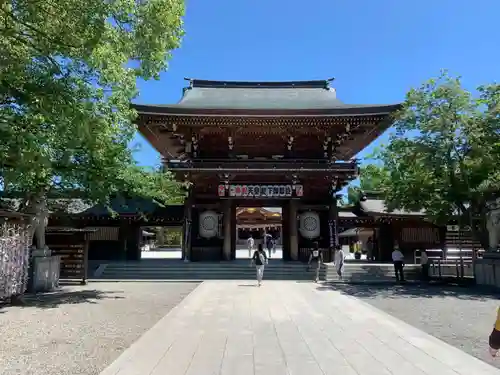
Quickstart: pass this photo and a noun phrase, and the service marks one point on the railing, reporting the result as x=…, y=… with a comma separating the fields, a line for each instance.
x=452, y=254
x=454, y=263
x=459, y=268
x=253, y=164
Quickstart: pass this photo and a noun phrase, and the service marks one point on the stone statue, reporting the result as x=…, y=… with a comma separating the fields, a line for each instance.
x=493, y=227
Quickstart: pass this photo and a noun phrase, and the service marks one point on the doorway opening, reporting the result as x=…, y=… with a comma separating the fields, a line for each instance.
x=161, y=243
x=259, y=225
x=360, y=244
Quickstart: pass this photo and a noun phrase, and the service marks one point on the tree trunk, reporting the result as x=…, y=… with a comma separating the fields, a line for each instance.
x=35, y=205
x=478, y=227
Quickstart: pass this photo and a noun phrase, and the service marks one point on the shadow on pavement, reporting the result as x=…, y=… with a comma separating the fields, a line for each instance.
x=172, y=281
x=55, y=299
x=411, y=291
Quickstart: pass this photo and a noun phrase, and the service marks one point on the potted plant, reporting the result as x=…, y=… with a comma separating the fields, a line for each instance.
x=357, y=255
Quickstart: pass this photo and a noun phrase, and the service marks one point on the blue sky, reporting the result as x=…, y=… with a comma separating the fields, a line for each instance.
x=376, y=50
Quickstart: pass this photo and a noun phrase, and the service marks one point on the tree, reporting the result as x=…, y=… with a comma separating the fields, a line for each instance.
x=371, y=178
x=444, y=157
x=68, y=72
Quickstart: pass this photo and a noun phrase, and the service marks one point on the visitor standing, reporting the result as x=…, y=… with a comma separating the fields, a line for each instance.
x=250, y=244
x=369, y=249
x=339, y=259
x=316, y=259
x=424, y=263
x=259, y=259
x=269, y=243
x=398, y=261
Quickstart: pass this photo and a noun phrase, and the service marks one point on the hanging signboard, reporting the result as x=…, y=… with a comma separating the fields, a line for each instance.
x=261, y=191
x=334, y=238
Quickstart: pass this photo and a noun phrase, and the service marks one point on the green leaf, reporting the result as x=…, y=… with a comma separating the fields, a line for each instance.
x=444, y=156
x=68, y=73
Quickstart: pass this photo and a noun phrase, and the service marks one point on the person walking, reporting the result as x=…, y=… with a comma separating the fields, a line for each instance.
x=339, y=260
x=259, y=259
x=316, y=258
x=250, y=245
x=398, y=261
x=424, y=263
x=494, y=339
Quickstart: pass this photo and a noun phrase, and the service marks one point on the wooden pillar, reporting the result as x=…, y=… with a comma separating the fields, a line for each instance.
x=285, y=231
x=233, y=231
x=183, y=238
x=122, y=239
x=333, y=218
x=294, y=245
x=187, y=227
x=386, y=242
x=133, y=242
x=227, y=230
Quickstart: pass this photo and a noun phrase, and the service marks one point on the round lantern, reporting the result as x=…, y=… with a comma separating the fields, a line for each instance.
x=209, y=224
x=309, y=225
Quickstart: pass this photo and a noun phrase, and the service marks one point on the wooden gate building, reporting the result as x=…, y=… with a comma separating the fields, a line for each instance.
x=261, y=144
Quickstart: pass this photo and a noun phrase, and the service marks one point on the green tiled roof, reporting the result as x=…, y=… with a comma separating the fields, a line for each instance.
x=121, y=206
x=295, y=95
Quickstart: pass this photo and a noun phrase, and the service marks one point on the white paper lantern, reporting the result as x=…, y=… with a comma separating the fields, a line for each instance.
x=209, y=224
x=309, y=225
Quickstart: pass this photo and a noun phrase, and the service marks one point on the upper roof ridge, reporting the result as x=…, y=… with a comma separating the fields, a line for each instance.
x=313, y=84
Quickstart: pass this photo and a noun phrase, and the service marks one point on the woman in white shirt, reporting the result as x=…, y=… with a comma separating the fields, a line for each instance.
x=398, y=261
x=339, y=260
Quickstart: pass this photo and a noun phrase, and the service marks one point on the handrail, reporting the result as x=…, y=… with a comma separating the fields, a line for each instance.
x=460, y=267
x=451, y=254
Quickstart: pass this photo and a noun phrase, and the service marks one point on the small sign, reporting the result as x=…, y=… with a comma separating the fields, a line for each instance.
x=456, y=228
x=261, y=191
x=222, y=191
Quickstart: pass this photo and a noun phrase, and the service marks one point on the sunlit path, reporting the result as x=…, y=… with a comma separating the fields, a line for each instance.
x=233, y=327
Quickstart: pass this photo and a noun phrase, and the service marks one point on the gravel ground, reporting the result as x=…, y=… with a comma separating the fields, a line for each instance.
x=462, y=317
x=82, y=329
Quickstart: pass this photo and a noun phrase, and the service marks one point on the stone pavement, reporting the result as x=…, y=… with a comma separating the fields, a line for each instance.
x=285, y=327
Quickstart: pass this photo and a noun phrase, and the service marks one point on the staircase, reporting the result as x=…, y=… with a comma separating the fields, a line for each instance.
x=371, y=273
x=178, y=270
x=240, y=270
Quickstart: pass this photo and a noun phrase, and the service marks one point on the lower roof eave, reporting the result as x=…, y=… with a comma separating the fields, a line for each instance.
x=345, y=111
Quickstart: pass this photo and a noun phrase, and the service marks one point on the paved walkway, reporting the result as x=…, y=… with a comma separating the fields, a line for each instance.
x=234, y=328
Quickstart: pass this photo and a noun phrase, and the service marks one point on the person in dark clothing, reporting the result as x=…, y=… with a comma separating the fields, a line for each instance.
x=369, y=249
x=259, y=259
x=494, y=339
x=269, y=243
x=316, y=258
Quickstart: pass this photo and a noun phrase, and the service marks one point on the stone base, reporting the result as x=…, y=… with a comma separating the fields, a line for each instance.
x=487, y=270
x=44, y=274
x=41, y=252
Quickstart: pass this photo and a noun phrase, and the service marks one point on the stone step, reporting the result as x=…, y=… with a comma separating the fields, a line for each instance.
x=241, y=269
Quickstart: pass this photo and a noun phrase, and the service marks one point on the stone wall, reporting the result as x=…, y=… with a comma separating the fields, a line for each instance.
x=487, y=270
